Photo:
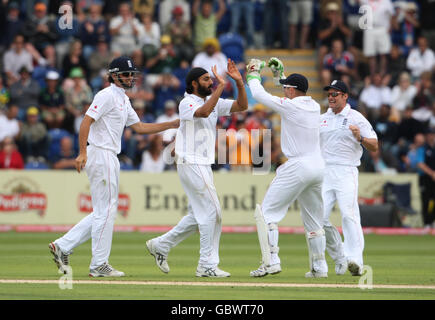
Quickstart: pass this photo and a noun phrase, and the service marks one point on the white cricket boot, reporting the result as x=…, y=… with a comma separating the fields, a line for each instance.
x=105, y=270
x=264, y=271
x=340, y=268
x=211, y=272
x=61, y=259
x=354, y=268
x=161, y=259
x=315, y=274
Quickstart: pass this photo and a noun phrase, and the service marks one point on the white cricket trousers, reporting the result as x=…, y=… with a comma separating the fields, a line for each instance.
x=300, y=178
x=341, y=185
x=204, y=214
x=102, y=168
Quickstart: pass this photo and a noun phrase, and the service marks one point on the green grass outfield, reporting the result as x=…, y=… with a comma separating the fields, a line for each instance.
x=408, y=261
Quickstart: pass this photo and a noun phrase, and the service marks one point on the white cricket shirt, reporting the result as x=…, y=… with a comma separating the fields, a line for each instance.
x=112, y=111
x=196, y=137
x=300, y=118
x=338, y=144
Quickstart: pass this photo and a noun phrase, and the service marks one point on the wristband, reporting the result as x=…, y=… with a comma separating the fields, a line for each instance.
x=361, y=139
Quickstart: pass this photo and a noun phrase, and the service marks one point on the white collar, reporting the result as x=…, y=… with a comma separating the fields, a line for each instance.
x=117, y=89
x=194, y=97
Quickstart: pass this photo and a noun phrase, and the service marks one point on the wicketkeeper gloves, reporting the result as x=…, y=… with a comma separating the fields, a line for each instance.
x=253, y=69
x=277, y=70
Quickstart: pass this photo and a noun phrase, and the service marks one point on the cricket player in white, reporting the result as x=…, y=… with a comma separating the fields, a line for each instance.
x=102, y=127
x=342, y=133
x=195, y=152
x=300, y=178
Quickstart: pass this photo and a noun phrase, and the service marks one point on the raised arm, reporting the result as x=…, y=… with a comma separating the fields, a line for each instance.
x=241, y=104
x=207, y=108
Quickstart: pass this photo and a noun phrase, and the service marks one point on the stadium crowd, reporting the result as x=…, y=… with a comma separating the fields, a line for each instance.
x=53, y=60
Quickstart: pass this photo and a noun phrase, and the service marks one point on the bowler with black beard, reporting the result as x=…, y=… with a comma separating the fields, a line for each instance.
x=195, y=153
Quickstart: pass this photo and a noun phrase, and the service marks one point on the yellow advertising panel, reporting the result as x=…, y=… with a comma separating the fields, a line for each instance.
x=53, y=197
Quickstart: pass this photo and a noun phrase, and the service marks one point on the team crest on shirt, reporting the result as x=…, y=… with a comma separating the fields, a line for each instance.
x=324, y=123
x=344, y=122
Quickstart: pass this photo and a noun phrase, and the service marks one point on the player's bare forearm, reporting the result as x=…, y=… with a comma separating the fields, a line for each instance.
x=207, y=108
x=241, y=104
x=84, y=133
x=150, y=128
x=370, y=144
x=82, y=158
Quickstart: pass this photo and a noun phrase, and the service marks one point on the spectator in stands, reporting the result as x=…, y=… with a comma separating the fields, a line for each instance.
x=276, y=22
x=245, y=9
x=402, y=95
x=141, y=91
x=408, y=128
x=79, y=95
x=210, y=56
x=425, y=98
x=206, y=20
x=39, y=28
x=331, y=27
x=375, y=93
x=9, y=125
x=396, y=64
x=420, y=59
x=387, y=132
x=166, y=10
x=338, y=64
x=258, y=119
x=51, y=64
x=140, y=106
x=432, y=119
x=33, y=138
x=404, y=26
x=427, y=22
x=98, y=62
x=152, y=159
x=415, y=154
x=66, y=157
x=93, y=30
x=165, y=57
x=169, y=115
x=13, y=25
x=4, y=96
x=181, y=73
x=52, y=102
x=181, y=34
x=149, y=32
x=239, y=146
x=15, y=59
x=24, y=92
x=301, y=12
x=75, y=59
x=140, y=7
x=125, y=30
x=10, y=157
x=377, y=39
x=165, y=88
x=427, y=181
x=66, y=34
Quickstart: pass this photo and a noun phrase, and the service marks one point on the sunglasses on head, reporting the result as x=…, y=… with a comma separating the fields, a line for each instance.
x=334, y=94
